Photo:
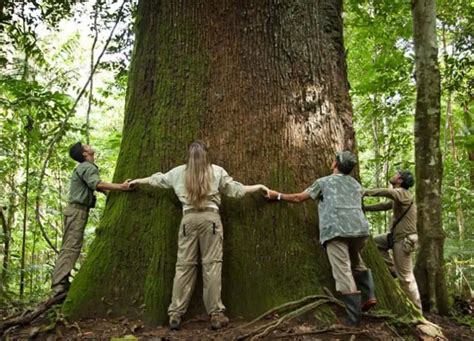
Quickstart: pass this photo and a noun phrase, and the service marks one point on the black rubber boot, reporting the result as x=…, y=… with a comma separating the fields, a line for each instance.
x=365, y=283
x=353, y=310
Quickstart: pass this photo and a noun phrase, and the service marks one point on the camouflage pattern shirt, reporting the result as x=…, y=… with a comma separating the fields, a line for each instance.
x=340, y=207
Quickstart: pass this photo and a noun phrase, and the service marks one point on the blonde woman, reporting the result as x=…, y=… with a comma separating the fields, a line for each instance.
x=199, y=185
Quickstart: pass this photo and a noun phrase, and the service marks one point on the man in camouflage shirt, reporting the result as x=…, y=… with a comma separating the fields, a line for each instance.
x=343, y=230
x=85, y=180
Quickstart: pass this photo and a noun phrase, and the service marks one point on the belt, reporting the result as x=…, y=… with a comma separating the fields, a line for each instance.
x=79, y=207
x=195, y=210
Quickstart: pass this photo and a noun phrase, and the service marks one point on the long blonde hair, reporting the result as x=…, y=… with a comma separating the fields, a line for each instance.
x=198, y=174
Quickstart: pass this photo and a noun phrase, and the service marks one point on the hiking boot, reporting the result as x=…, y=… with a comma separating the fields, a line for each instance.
x=353, y=309
x=218, y=321
x=175, y=322
x=60, y=288
x=365, y=283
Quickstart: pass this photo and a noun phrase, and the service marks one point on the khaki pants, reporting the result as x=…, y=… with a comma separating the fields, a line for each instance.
x=344, y=257
x=401, y=263
x=75, y=220
x=200, y=231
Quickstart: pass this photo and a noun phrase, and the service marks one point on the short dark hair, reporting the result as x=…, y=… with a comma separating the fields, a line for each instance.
x=407, y=178
x=346, y=161
x=75, y=152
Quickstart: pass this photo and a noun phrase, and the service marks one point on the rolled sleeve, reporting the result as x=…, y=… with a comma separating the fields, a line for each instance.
x=91, y=177
x=314, y=190
x=382, y=192
x=385, y=206
x=161, y=180
x=229, y=187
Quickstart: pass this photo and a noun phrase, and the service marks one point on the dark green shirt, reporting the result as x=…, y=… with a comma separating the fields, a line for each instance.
x=84, y=181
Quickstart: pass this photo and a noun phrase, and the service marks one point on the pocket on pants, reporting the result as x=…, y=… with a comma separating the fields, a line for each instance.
x=409, y=244
x=68, y=211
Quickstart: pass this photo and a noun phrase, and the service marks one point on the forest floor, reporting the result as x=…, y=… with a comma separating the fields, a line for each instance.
x=372, y=328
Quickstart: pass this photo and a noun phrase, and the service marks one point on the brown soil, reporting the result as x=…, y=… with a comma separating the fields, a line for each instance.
x=199, y=329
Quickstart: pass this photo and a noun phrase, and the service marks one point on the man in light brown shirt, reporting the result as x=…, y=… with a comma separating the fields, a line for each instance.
x=403, y=238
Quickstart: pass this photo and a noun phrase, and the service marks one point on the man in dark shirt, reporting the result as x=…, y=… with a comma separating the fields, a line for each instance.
x=85, y=179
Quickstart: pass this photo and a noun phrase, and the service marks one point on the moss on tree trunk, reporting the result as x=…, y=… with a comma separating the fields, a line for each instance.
x=265, y=84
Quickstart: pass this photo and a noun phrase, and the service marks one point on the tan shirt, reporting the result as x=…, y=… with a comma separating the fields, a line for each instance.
x=401, y=200
x=221, y=183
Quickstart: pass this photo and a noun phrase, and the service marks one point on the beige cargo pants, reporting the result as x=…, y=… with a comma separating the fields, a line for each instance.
x=199, y=232
x=401, y=263
x=344, y=257
x=75, y=220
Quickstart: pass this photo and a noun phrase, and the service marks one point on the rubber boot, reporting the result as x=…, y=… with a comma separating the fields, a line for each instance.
x=365, y=283
x=353, y=309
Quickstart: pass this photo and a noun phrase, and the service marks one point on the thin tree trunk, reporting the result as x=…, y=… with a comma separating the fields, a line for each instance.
x=6, y=251
x=8, y=222
x=470, y=128
x=450, y=132
x=429, y=268
x=457, y=182
x=97, y=7
x=25, y=213
x=381, y=228
x=386, y=166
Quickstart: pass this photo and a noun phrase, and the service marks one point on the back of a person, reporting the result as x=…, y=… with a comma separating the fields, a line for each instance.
x=177, y=180
x=340, y=211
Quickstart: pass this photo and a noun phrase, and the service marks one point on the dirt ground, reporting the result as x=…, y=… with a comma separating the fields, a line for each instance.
x=372, y=328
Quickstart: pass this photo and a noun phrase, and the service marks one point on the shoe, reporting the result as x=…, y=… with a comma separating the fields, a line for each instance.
x=60, y=288
x=175, y=322
x=218, y=321
x=353, y=309
x=365, y=283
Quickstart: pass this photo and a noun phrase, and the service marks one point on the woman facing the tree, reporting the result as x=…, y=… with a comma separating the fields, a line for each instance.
x=199, y=185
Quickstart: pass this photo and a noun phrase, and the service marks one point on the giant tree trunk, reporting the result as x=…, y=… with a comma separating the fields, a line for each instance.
x=265, y=84
x=429, y=268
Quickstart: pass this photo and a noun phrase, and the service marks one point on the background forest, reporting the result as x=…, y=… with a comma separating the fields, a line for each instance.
x=64, y=79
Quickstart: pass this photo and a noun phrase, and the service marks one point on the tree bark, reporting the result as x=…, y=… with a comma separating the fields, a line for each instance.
x=265, y=84
x=6, y=251
x=429, y=268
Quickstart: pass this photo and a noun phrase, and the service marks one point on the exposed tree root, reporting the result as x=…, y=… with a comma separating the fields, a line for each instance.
x=293, y=309
x=21, y=320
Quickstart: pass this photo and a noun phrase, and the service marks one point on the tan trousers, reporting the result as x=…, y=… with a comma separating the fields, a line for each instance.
x=75, y=220
x=344, y=257
x=401, y=263
x=202, y=232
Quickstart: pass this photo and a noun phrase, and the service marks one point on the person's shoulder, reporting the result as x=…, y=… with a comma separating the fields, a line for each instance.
x=218, y=169
x=86, y=166
x=325, y=178
x=178, y=169
x=352, y=180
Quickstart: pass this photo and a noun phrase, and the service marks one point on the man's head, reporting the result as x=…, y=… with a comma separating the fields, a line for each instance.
x=402, y=178
x=81, y=152
x=345, y=162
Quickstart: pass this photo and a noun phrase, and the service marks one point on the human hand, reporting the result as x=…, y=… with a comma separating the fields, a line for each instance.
x=132, y=184
x=125, y=186
x=271, y=194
